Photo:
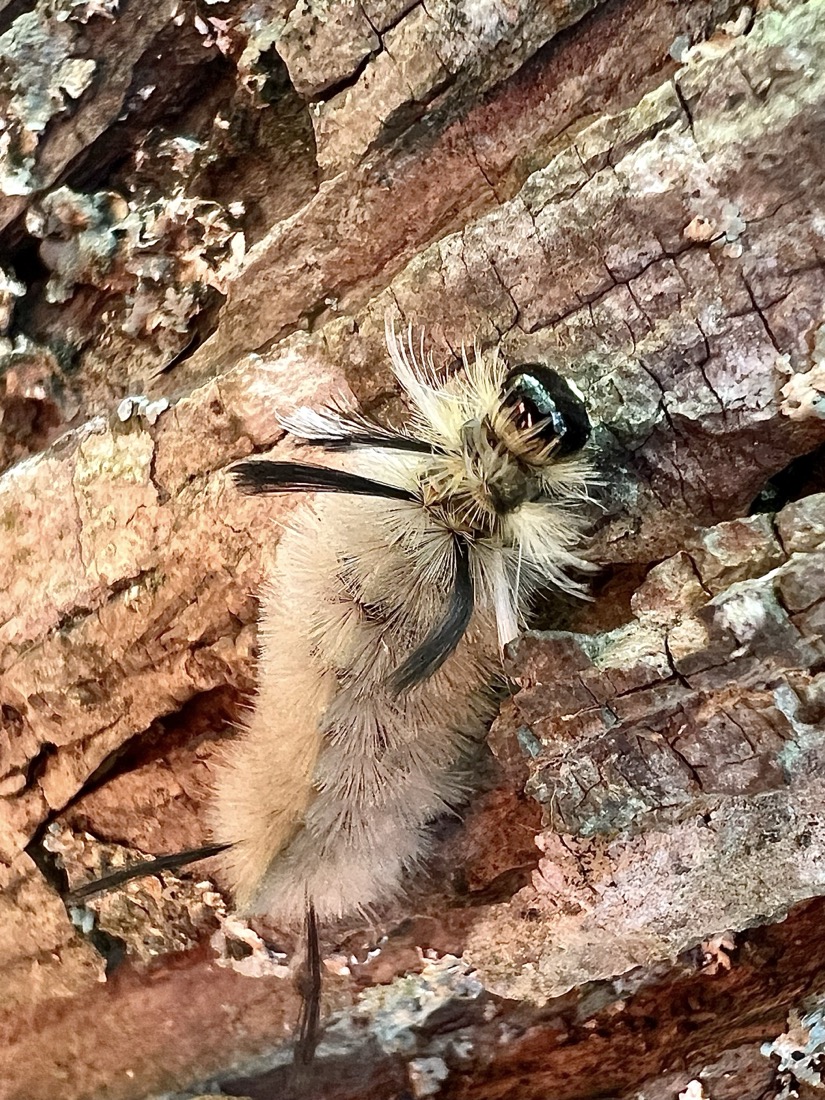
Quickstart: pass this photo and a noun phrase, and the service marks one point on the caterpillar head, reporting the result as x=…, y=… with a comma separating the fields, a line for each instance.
x=513, y=446
x=499, y=437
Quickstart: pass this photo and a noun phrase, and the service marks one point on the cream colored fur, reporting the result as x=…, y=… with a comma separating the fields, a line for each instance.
x=328, y=793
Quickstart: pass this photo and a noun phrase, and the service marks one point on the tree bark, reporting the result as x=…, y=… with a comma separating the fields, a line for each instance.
x=207, y=211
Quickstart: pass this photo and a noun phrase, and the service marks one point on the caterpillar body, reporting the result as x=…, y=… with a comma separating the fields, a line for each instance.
x=381, y=625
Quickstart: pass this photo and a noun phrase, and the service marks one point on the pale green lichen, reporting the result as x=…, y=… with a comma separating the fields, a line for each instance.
x=783, y=61
x=80, y=236
x=81, y=11
x=39, y=74
x=159, y=256
x=796, y=753
x=398, y=1011
x=804, y=394
x=10, y=290
x=801, y=1049
x=427, y=1075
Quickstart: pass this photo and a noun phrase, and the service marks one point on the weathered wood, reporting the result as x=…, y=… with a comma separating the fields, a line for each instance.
x=216, y=208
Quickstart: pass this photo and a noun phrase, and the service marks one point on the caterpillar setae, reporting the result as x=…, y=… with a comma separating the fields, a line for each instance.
x=381, y=625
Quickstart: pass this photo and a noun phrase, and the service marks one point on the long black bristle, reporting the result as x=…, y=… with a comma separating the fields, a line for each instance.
x=265, y=476
x=309, y=987
x=445, y=635
x=172, y=862
x=360, y=431
x=367, y=439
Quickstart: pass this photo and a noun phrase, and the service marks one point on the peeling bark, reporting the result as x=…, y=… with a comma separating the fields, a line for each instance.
x=206, y=212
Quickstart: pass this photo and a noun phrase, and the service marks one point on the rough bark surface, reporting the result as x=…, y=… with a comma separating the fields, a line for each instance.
x=206, y=212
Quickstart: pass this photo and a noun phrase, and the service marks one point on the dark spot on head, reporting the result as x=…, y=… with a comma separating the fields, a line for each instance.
x=539, y=395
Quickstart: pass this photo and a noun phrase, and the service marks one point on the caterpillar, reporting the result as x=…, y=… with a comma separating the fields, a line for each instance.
x=381, y=626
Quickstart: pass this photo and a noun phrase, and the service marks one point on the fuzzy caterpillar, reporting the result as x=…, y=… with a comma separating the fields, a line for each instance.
x=381, y=626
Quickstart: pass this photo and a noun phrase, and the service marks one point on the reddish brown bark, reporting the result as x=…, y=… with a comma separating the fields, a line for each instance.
x=207, y=213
